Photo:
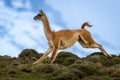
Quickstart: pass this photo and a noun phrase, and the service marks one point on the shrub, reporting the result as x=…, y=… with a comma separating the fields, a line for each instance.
x=66, y=76
x=59, y=69
x=96, y=53
x=106, y=61
x=86, y=68
x=69, y=61
x=78, y=61
x=93, y=77
x=28, y=56
x=45, y=68
x=62, y=56
x=5, y=58
x=113, y=71
x=109, y=61
x=79, y=74
x=93, y=58
x=25, y=68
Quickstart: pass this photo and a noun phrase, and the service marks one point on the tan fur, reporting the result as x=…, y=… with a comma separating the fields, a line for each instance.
x=66, y=38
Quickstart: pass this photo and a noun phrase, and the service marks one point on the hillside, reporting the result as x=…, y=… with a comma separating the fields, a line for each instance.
x=67, y=66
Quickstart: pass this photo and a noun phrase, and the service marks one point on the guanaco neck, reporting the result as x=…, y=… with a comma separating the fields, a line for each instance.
x=47, y=30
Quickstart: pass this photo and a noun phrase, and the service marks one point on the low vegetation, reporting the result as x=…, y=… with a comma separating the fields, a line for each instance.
x=67, y=66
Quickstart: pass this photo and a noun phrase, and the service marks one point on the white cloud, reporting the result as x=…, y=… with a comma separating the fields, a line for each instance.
x=17, y=3
x=1, y=3
x=20, y=30
x=21, y=4
x=7, y=49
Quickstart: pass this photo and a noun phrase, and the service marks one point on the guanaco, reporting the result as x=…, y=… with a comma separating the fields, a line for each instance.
x=66, y=38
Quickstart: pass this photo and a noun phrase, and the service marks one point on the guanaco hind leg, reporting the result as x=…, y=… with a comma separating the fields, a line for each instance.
x=96, y=45
x=88, y=42
x=103, y=50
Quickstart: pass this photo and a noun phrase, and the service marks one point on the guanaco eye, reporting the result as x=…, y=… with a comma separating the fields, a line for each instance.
x=39, y=14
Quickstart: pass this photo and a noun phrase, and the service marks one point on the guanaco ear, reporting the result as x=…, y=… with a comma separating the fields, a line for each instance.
x=41, y=11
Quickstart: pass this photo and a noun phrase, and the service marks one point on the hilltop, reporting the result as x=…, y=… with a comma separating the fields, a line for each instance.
x=67, y=66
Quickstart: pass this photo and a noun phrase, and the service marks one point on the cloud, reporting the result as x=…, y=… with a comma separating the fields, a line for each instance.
x=21, y=4
x=18, y=31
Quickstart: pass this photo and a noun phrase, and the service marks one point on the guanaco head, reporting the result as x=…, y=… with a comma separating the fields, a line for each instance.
x=39, y=16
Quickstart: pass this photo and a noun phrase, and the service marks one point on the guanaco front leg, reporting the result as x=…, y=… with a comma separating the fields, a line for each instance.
x=56, y=45
x=44, y=56
x=53, y=55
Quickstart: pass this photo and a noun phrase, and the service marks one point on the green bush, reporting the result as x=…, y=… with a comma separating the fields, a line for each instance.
x=25, y=68
x=106, y=61
x=113, y=71
x=28, y=56
x=69, y=61
x=66, y=76
x=93, y=58
x=98, y=78
x=86, y=69
x=45, y=68
x=62, y=56
x=79, y=74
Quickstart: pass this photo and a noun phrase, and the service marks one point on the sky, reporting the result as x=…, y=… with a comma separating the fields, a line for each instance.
x=18, y=30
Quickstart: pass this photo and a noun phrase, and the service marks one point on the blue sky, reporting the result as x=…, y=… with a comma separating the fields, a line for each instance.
x=19, y=31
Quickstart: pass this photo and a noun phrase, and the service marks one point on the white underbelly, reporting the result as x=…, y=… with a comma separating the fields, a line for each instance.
x=67, y=43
